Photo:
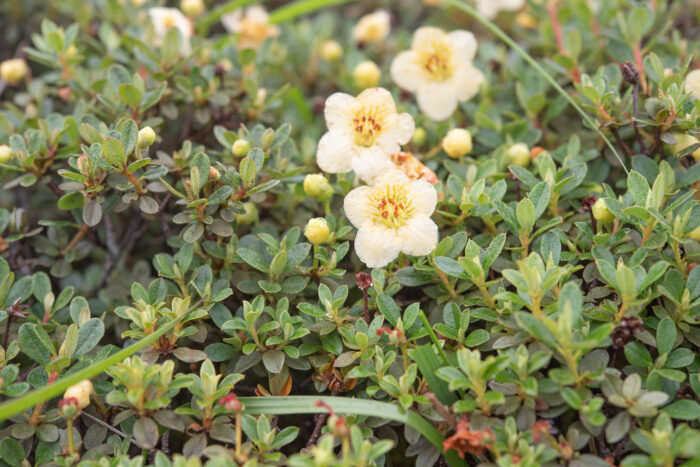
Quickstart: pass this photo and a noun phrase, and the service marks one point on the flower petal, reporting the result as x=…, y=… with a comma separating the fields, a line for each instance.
x=399, y=133
x=371, y=162
x=356, y=206
x=335, y=152
x=426, y=35
x=406, y=72
x=376, y=246
x=419, y=236
x=437, y=101
x=232, y=20
x=466, y=82
x=378, y=98
x=463, y=44
x=424, y=197
x=338, y=111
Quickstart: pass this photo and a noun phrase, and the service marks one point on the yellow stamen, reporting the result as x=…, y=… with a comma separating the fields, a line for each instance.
x=368, y=122
x=391, y=205
x=436, y=58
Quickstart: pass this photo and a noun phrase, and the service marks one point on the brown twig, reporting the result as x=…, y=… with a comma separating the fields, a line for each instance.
x=80, y=234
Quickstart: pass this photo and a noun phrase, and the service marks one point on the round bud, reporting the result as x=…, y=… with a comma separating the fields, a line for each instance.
x=457, y=142
x=6, y=153
x=601, y=213
x=250, y=214
x=316, y=230
x=240, y=147
x=14, y=70
x=419, y=136
x=519, y=154
x=146, y=137
x=331, y=51
x=366, y=74
x=71, y=51
x=526, y=20
x=192, y=8
x=80, y=392
x=214, y=173
x=694, y=234
x=317, y=186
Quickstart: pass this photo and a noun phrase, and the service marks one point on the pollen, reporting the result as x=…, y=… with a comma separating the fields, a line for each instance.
x=367, y=123
x=391, y=205
x=436, y=58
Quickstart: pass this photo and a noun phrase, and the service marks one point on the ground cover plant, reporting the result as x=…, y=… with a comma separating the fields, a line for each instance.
x=339, y=233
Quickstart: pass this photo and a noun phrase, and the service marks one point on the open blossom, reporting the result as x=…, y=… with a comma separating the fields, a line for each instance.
x=438, y=69
x=490, y=8
x=165, y=18
x=392, y=216
x=363, y=133
x=252, y=26
x=373, y=27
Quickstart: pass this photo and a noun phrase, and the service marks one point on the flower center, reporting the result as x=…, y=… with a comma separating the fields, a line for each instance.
x=436, y=59
x=391, y=205
x=367, y=123
x=169, y=22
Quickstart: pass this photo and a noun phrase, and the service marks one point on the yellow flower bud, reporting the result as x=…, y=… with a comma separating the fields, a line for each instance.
x=13, y=70
x=419, y=136
x=601, y=213
x=214, y=173
x=81, y=392
x=519, y=154
x=192, y=8
x=146, y=137
x=331, y=51
x=250, y=216
x=317, y=186
x=316, y=230
x=526, y=20
x=71, y=51
x=694, y=234
x=240, y=147
x=457, y=142
x=6, y=153
x=373, y=27
x=366, y=74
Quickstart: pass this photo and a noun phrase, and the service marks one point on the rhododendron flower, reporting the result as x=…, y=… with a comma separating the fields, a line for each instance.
x=252, y=26
x=166, y=18
x=438, y=69
x=373, y=27
x=392, y=216
x=490, y=8
x=363, y=133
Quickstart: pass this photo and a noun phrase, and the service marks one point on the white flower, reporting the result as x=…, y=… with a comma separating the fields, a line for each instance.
x=692, y=83
x=166, y=18
x=373, y=27
x=490, y=8
x=392, y=216
x=252, y=26
x=363, y=133
x=438, y=69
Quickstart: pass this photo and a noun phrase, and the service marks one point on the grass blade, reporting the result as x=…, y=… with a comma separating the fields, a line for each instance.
x=214, y=16
x=289, y=405
x=428, y=363
x=491, y=26
x=301, y=7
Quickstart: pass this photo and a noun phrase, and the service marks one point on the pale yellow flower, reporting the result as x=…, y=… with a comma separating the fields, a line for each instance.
x=363, y=133
x=252, y=26
x=392, y=216
x=490, y=8
x=81, y=392
x=438, y=69
x=374, y=27
x=165, y=18
x=692, y=83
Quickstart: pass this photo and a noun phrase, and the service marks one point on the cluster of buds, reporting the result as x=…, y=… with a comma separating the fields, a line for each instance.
x=231, y=403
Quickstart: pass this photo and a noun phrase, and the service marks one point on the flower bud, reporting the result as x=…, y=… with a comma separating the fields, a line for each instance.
x=192, y=8
x=419, y=136
x=214, y=173
x=80, y=392
x=629, y=72
x=231, y=403
x=146, y=137
x=6, y=153
x=317, y=186
x=601, y=213
x=260, y=97
x=250, y=214
x=71, y=51
x=14, y=70
x=68, y=407
x=457, y=142
x=694, y=234
x=240, y=147
x=366, y=74
x=331, y=51
x=317, y=231
x=373, y=27
x=526, y=20
x=519, y=154
x=83, y=164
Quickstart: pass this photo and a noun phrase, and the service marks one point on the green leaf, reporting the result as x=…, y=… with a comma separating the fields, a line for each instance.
x=388, y=307
x=114, y=152
x=535, y=328
x=665, y=336
x=36, y=343
x=428, y=363
x=247, y=170
x=684, y=409
x=11, y=451
x=130, y=95
x=89, y=335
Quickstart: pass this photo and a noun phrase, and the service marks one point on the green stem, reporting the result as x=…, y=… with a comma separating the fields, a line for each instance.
x=69, y=432
x=491, y=26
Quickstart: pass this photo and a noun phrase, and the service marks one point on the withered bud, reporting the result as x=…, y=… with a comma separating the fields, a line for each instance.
x=629, y=72
x=364, y=280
